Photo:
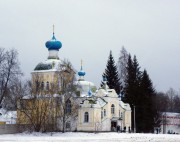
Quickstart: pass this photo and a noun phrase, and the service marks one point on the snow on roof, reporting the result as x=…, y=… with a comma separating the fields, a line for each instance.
x=107, y=93
x=171, y=114
x=101, y=102
x=41, y=96
x=84, y=83
x=125, y=106
x=51, y=65
x=27, y=97
x=101, y=93
x=85, y=94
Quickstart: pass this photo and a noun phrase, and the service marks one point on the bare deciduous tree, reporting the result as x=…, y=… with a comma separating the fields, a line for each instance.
x=50, y=109
x=122, y=64
x=171, y=93
x=15, y=91
x=34, y=108
x=69, y=102
x=9, y=73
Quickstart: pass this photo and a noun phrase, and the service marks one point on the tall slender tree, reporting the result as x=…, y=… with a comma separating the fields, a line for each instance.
x=139, y=93
x=171, y=93
x=111, y=74
x=122, y=64
x=132, y=88
x=146, y=101
x=132, y=81
x=128, y=89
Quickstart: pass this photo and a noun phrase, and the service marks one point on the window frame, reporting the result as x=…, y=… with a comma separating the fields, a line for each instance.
x=102, y=115
x=68, y=125
x=42, y=85
x=86, y=117
x=47, y=85
x=68, y=106
x=105, y=112
x=112, y=109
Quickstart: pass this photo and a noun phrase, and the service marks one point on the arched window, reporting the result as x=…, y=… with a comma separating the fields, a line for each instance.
x=101, y=114
x=37, y=85
x=112, y=109
x=47, y=85
x=86, y=117
x=68, y=125
x=104, y=112
x=68, y=106
x=42, y=85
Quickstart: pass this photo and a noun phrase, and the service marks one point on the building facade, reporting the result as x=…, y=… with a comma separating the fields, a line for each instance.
x=104, y=112
x=170, y=123
x=97, y=109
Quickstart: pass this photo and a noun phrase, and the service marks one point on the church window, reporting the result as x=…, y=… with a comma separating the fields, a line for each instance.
x=47, y=85
x=112, y=109
x=86, y=117
x=101, y=114
x=37, y=85
x=104, y=112
x=68, y=106
x=42, y=85
x=68, y=125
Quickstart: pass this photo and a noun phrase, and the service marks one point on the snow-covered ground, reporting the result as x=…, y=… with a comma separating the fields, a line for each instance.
x=88, y=137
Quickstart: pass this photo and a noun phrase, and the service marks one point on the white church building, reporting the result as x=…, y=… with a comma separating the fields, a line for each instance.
x=102, y=110
x=99, y=109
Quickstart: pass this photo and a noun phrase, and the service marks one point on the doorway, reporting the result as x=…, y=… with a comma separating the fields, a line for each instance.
x=113, y=125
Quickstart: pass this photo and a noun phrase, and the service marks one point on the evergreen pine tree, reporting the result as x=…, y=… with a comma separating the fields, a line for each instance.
x=140, y=94
x=132, y=89
x=137, y=74
x=147, y=106
x=111, y=74
x=128, y=89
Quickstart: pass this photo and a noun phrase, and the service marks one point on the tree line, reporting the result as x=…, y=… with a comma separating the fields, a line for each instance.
x=136, y=88
x=169, y=101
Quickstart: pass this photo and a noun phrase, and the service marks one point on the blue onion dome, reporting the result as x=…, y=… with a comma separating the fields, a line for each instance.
x=81, y=72
x=89, y=93
x=53, y=44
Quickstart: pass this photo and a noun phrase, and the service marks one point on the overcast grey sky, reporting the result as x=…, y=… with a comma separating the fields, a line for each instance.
x=89, y=29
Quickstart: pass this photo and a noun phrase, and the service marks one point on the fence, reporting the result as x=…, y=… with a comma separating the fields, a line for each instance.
x=13, y=128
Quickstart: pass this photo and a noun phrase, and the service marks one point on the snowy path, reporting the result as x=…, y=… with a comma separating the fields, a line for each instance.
x=88, y=137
